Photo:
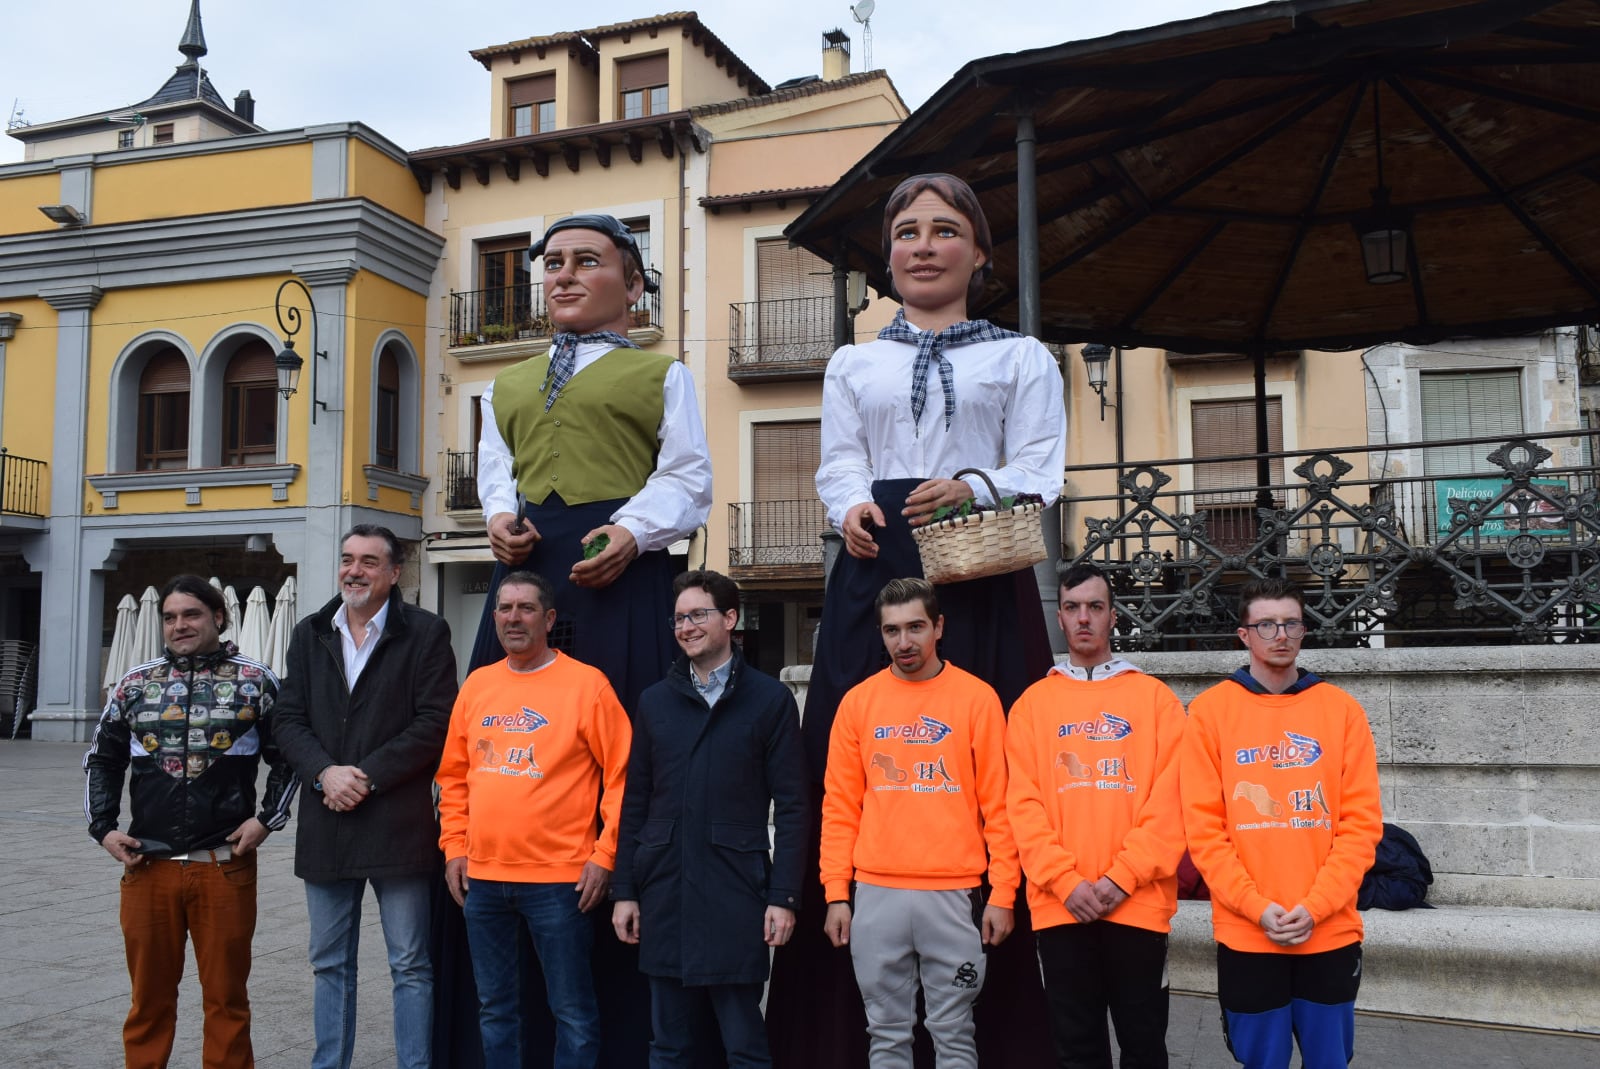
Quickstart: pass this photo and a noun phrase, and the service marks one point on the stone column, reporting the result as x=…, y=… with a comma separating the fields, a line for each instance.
x=71, y=593
x=328, y=511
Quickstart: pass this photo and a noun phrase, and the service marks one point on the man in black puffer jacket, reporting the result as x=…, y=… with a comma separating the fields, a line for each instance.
x=194, y=725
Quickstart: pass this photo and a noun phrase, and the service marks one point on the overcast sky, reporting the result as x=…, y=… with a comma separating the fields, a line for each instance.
x=401, y=66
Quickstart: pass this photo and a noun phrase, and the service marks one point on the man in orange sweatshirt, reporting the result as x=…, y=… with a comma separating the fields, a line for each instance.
x=1092, y=751
x=1279, y=779
x=537, y=744
x=913, y=816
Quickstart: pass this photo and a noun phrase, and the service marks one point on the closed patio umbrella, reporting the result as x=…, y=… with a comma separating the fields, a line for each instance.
x=147, y=642
x=118, y=661
x=284, y=613
x=252, y=636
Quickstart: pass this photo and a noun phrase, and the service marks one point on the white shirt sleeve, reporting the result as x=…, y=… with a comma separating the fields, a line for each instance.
x=844, y=478
x=1035, y=430
x=676, y=498
x=497, y=489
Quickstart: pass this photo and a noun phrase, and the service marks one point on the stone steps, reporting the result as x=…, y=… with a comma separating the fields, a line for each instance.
x=1533, y=968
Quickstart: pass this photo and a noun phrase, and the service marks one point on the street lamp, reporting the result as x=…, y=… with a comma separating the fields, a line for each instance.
x=288, y=363
x=1096, y=362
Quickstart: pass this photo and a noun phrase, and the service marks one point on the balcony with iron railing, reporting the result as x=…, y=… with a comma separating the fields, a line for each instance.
x=1499, y=541
x=776, y=341
x=508, y=315
x=776, y=540
x=461, y=483
x=21, y=486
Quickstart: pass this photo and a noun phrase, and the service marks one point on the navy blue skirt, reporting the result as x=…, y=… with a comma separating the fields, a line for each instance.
x=993, y=628
x=621, y=629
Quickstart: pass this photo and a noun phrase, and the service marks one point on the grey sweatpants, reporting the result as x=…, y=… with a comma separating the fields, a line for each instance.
x=899, y=938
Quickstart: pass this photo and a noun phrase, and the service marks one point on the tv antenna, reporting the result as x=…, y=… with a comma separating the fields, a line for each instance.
x=862, y=11
x=16, y=121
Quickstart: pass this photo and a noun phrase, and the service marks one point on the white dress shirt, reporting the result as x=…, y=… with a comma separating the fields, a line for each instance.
x=674, y=500
x=356, y=657
x=1010, y=421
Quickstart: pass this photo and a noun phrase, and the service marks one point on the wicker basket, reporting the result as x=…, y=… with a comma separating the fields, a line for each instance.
x=981, y=543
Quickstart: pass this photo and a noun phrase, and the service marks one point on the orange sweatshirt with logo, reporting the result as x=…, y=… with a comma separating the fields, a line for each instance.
x=528, y=759
x=915, y=791
x=1094, y=792
x=1281, y=804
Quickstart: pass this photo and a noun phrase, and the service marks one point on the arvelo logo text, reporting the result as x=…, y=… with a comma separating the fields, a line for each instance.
x=1104, y=728
x=1298, y=752
x=524, y=720
x=926, y=731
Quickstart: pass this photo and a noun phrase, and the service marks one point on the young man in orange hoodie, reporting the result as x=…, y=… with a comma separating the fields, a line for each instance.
x=538, y=743
x=1092, y=751
x=1279, y=779
x=913, y=817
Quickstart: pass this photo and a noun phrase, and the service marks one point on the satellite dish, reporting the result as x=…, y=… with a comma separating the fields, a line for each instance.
x=862, y=10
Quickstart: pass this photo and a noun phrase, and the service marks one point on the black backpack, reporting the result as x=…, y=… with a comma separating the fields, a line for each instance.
x=1399, y=876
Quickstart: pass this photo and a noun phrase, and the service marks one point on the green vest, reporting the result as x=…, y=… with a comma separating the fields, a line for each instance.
x=598, y=441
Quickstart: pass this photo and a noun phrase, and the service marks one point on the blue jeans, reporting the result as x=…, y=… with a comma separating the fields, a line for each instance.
x=562, y=937
x=334, y=909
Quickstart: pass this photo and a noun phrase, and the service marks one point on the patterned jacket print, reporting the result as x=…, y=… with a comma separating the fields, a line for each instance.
x=195, y=729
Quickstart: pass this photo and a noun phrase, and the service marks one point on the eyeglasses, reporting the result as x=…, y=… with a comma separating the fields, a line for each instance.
x=1268, y=629
x=697, y=617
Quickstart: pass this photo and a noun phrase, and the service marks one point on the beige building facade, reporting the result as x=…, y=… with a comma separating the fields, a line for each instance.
x=660, y=124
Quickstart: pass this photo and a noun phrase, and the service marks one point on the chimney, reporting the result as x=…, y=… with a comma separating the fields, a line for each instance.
x=244, y=106
x=835, y=55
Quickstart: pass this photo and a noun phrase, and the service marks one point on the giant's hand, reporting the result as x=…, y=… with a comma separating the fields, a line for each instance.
x=932, y=495
x=509, y=547
x=857, y=530
x=609, y=563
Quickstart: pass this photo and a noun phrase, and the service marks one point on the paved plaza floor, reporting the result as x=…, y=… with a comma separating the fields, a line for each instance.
x=65, y=986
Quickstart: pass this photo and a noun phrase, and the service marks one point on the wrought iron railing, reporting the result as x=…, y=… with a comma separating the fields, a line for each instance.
x=512, y=313
x=20, y=480
x=461, y=482
x=775, y=339
x=1502, y=548
x=781, y=535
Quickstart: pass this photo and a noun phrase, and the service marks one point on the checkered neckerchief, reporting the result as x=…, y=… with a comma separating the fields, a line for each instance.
x=930, y=348
x=564, y=358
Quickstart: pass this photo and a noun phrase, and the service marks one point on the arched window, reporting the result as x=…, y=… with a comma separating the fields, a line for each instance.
x=250, y=406
x=164, y=411
x=386, y=420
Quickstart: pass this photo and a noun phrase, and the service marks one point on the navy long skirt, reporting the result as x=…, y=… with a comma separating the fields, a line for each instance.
x=993, y=628
x=622, y=630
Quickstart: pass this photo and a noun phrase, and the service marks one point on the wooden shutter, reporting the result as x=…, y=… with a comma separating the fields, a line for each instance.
x=535, y=90
x=783, y=272
x=253, y=363
x=1228, y=428
x=1468, y=404
x=167, y=372
x=642, y=72
x=785, y=460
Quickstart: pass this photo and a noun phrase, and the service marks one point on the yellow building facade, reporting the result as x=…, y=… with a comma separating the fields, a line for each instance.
x=143, y=426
